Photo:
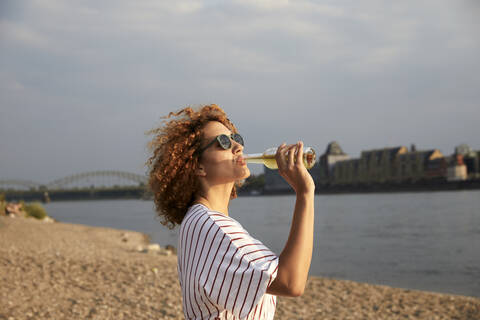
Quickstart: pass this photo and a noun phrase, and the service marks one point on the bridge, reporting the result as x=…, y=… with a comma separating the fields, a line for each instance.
x=92, y=179
x=107, y=184
x=14, y=184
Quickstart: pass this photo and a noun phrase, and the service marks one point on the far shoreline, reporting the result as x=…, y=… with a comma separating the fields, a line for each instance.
x=135, y=192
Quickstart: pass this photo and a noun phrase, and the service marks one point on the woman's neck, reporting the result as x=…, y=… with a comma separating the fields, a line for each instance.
x=216, y=198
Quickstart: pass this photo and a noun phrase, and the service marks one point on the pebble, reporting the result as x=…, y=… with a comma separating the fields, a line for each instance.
x=85, y=272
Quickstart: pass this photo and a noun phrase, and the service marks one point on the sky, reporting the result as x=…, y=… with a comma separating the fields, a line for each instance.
x=82, y=81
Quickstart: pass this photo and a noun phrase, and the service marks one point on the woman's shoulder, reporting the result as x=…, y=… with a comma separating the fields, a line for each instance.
x=197, y=211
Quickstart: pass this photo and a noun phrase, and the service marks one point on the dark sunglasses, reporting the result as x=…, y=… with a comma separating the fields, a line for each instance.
x=224, y=141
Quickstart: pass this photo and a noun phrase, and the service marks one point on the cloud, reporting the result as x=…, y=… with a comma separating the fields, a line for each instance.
x=264, y=4
x=22, y=35
x=10, y=84
x=358, y=72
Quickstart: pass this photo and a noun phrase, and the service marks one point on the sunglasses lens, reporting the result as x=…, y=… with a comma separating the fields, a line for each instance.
x=238, y=138
x=224, y=141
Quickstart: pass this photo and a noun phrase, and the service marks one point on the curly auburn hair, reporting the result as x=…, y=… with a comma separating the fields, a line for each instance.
x=175, y=156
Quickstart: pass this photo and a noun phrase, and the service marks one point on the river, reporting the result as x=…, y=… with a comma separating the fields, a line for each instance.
x=426, y=241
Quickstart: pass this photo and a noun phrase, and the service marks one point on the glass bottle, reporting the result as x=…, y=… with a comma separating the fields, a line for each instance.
x=268, y=158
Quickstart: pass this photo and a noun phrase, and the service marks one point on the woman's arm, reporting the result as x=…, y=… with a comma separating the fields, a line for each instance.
x=294, y=261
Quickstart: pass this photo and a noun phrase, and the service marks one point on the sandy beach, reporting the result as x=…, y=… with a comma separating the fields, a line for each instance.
x=64, y=271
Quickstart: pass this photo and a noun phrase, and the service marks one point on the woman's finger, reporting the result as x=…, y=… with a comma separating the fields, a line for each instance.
x=280, y=156
x=291, y=155
x=300, y=153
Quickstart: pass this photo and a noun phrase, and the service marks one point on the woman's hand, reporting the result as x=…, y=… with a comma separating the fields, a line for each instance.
x=294, y=172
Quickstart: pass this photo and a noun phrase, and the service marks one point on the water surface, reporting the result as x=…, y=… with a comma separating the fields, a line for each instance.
x=427, y=241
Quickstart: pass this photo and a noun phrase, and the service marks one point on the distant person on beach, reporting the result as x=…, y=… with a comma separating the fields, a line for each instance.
x=224, y=272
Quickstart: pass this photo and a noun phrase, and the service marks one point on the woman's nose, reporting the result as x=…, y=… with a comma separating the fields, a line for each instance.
x=237, y=147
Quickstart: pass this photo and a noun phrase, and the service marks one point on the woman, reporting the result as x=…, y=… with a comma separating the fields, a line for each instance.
x=224, y=272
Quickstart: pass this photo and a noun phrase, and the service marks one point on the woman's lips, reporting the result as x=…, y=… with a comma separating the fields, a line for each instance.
x=241, y=161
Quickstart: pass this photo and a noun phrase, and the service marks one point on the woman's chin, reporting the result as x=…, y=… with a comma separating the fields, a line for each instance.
x=246, y=174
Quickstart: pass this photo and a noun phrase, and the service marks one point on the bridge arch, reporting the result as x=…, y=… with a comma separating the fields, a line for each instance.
x=62, y=182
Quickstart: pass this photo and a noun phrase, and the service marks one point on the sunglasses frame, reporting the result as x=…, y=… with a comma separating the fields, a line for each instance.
x=218, y=139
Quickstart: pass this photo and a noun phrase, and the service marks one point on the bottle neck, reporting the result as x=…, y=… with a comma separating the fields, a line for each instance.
x=253, y=158
x=252, y=155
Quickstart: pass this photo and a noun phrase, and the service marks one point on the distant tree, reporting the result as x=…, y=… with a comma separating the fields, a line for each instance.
x=253, y=183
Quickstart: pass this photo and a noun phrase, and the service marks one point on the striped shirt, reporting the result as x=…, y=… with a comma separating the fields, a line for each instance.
x=224, y=273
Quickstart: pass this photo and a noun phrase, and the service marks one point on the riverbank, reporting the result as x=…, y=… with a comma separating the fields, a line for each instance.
x=136, y=192
x=66, y=271
x=386, y=187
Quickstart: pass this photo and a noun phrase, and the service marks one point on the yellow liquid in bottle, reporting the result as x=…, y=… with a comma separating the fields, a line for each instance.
x=270, y=162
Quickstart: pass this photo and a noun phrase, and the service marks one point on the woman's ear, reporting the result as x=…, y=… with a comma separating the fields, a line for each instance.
x=200, y=171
